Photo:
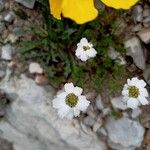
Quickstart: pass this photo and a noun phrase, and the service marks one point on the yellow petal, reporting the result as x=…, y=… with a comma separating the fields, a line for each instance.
x=55, y=8
x=81, y=11
x=117, y=4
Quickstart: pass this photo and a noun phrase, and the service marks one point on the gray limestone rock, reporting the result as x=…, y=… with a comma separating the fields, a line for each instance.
x=124, y=134
x=27, y=3
x=135, y=50
x=32, y=124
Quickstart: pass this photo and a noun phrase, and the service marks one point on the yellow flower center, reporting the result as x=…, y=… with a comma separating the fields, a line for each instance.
x=133, y=91
x=85, y=48
x=71, y=100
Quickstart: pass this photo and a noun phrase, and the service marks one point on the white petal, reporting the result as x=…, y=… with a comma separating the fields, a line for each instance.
x=69, y=87
x=125, y=99
x=129, y=82
x=70, y=114
x=76, y=112
x=132, y=103
x=91, y=52
x=139, y=83
x=62, y=95
x=58, y=103
x=79, y=52
x=63, y=111
x=142, y=83
x=83, y=103
x=143, y=92
x=83, y=57
x=77, y=91
x=143, y=100
x=125, y=92
x=84, y=41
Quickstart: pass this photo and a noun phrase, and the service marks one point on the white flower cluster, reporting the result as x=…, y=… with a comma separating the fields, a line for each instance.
x=85, y=50
x=70, y=102
x=134, y=93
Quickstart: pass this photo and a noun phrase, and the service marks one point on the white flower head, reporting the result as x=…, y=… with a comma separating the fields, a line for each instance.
x=85, y=50
x=134, y=93
x=70, y=102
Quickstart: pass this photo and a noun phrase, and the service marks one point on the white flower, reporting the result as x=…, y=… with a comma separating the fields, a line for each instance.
x=70, y=102
x=85, y=50
x=134, y=93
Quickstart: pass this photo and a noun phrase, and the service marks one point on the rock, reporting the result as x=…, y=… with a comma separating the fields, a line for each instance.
x=136, y=112
x=117, y=103
x=137, y=13
x=137, y=28
x=144, y=35
x=89, y=121
x=35, y=68
x=41, y=79
x=2, y=70
x=146, y=74
x=97, y=124
x=27, y=3
x=146, y=12
x=148, y=147
x=5, y=145
x=124, y=134
x=106, y=111
x=32, y=123
x=147, y=137
x=145, y=116
x=99, y=103
x=90, y=112
x=2, y=27
x=146, y=21
x=2, y=4
x=7, y=52
x=102, y=131
x=135, y=50
x=114, y=55
x=9, y=17
x=3, y=103
x=11, y=38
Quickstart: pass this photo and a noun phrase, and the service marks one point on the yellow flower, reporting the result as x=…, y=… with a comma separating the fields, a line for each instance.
x=81, y=11
x=117, y=4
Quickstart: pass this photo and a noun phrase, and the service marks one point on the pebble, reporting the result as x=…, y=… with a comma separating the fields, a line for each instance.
x=11, y=38
x=137, y=13
x=146, y=74
x=41, y=79
x=2, y=27
x=146, y=22
x=7, y=51
x=134, y=49
x=124, y=133
x=114, y=55
x=135, y=113
x=27, y=3
x=9, y=17
x=102, y=131
x=106, y=111
x=89, y=121
x=2, y=69
x=146, y=12
x=99, y=103
x=35, y=68
x=1, y=5
x=118, y=104
x=144, y=35
x=137, y=28
x=97, y=124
